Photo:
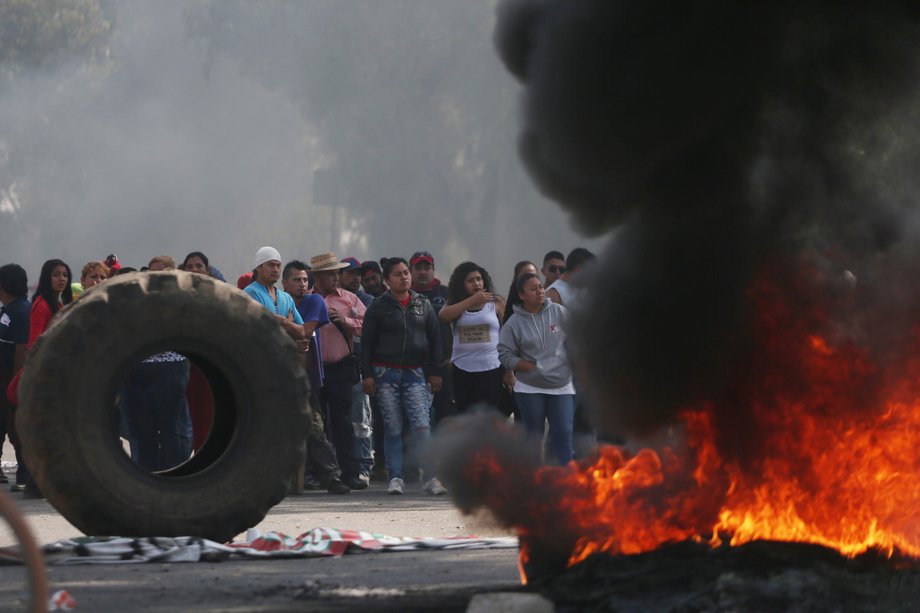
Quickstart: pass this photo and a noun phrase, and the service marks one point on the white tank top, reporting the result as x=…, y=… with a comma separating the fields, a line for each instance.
x=566, y=292
x=476, y=340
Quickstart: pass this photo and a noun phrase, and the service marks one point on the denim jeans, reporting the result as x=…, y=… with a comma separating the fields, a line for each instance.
x=403, y=393
x=559, y=410
x=154, y=414
x=361, y=421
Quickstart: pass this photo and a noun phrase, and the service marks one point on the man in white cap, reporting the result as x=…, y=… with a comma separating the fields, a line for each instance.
x=262, y=289
x=266, y=273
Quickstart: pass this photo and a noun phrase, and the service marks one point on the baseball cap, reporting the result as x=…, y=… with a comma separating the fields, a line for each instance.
x=353, y=264
x=111, y=260
x=421, y=256
x=371, y=266
x=244, y=280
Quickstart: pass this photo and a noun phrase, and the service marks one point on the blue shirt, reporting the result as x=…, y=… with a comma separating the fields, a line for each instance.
x=285, y=305
x=364, y=297
x=313, y=308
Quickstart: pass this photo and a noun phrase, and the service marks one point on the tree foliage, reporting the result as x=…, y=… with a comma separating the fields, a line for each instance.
x=408, y=97
x=39, y=33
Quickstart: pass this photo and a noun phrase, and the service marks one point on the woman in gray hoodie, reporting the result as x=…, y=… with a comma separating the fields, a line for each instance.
x=532, y=344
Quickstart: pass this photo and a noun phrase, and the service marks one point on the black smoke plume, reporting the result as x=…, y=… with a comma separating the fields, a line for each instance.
x=722, y=139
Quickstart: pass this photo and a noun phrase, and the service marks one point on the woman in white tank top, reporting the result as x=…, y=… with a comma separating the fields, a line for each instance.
x=475, y=313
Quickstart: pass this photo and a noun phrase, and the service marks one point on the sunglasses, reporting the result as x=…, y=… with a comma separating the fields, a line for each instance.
x=554, y=269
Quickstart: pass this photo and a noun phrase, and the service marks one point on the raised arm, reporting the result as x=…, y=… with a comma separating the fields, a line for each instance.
x=450, y=312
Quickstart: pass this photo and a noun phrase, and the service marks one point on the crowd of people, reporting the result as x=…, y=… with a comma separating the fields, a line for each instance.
x=390, y=351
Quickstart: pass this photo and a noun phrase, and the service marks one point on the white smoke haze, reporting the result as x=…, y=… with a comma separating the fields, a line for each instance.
x=203, y=123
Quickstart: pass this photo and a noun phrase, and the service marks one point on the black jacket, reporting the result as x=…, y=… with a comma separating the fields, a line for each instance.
x=401, y=336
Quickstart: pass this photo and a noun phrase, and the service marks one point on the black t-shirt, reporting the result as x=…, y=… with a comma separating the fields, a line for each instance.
x=437, y=296
x=14, y=330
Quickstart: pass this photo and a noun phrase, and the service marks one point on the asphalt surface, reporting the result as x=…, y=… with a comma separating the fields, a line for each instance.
x=393, y=581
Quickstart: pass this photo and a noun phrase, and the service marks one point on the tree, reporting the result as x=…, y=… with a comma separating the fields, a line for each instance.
x=409, y=100
x=42, y=33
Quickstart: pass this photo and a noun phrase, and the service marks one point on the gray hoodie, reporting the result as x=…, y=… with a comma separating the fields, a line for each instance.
x=539, y=338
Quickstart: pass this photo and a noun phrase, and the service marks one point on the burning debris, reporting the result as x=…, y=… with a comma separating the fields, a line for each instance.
x=760, y=576
x=757, y=159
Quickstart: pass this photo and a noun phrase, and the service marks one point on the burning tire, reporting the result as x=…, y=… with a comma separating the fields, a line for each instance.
x=69, y=424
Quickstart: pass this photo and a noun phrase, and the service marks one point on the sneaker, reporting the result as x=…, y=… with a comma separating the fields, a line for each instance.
x=396, y=486
x=18, y=487
x=359, y=482
x=3, y=478
x=337, y=487
x=434, y=487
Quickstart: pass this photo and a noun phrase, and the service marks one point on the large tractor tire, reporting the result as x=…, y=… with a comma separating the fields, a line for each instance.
x=68, y=420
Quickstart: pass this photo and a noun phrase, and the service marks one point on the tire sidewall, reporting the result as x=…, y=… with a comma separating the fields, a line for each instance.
x=68, y=419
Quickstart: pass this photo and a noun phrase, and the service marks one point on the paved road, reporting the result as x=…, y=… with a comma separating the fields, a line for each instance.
x=404, y=581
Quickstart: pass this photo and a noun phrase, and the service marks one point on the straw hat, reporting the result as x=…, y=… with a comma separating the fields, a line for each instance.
x=326, y=261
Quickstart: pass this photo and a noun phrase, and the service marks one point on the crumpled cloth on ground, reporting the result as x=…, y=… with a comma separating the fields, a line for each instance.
x=314, y=543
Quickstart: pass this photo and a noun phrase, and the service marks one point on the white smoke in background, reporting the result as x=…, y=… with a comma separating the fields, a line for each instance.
x=153, y=154
x=164, y=148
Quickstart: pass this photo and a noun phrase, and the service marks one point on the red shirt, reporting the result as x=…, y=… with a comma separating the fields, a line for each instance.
x=39, y=319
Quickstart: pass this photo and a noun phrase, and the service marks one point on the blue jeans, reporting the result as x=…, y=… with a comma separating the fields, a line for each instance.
x=154, y=414
x=559, y=410
x=403, y=392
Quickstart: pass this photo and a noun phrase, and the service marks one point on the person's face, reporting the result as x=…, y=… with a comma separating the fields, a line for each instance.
x=93, y=277
x=157, y=266
x=532, y=294
x=296, y=284
x=351, y=279
x=422, y=274
x=399, y=278
x=196, y=264
x=553, y=269
x=327, y=281
x=59, y=279
x=269, y=272
x=372, y=283
x=473, y=283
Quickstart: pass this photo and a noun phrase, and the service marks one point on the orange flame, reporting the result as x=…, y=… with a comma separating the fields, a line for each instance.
x=836, y=462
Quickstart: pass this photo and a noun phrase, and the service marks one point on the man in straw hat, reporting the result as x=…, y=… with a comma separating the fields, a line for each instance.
x=340, y=367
